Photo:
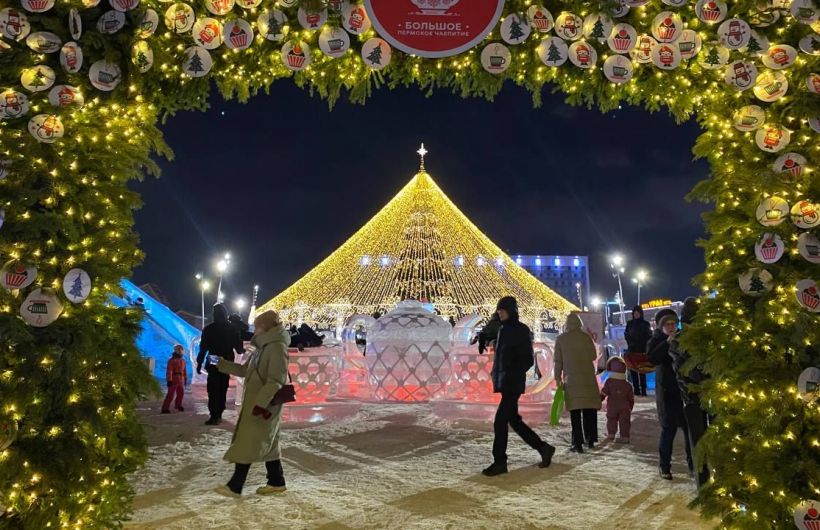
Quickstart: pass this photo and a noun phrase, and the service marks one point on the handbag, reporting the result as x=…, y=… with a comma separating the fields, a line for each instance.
x=557, y=405
x=286, y=394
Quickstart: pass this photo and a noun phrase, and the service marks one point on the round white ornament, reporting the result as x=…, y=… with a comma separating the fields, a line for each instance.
x=756, y=281
x=41, y=307
x=104, y=75
x=248, y=4
x=772, y=138
x=666, y=56
x=711, y=11
x=741, y=74
x=806, y=214
x=810, y=44
x=219, y=7
x=124, y=5
x=376, y=53
x=808, y=245
x=642, y=52
x=207, y=33
x=804, y=11
x=689, y=44
x=771, y=86
x=814, y=123
x=515, y=29
x=13, y=104
x=618, y=69
x=772, y=211
x=273, y=25
x=180, y=18
x=111, y=22
x=779, y=56
x=764, y=18
x=5, y=168
x=197, y=61
x=142, y=56
x=583, y=54
x=553, y=51
x=713, y=57
x=43, y=42
x=14, y=24
x=75, y=23
x=287, y=3
x=148, y=23
x=667, y=27
x=769, y=248
x=734, y=33
x=597, y=27
x=620, y=10
x=88, y=4
x=758, y=44
x=790, y=165
x=337, y=7
x=623, y=38
x=311, y=20
x=71, y=57
x=238, y=34
x=636, y=3
x=808, y=385
x=355, y=19
x=37, y=6
x=16, y=274
x=540, y=18
x=749, y=118
x=495, y=58
x=66, y=96
x=569, y=26
x=8, y=433
x=808, y=295
x=77, y=286
x=46, y=128
x=37, y=78
x=334, y=42
x=4, y=46
x=296, y=55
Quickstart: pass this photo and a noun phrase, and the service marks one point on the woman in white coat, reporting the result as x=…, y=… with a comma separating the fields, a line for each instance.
x=256, y=437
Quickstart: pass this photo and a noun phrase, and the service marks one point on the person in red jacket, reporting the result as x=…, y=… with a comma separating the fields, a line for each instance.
x=620, y=399
x=176, y=376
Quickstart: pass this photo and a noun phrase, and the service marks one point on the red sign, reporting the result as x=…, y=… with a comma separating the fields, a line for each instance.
x=434, y=28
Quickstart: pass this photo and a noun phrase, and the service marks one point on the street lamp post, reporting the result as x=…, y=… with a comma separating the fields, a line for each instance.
x=617, y=267
x=204, y=285
x=640, y=279
x=580, y=295
x=221, y=267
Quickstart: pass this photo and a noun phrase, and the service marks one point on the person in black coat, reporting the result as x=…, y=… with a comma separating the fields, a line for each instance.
x=513, y=357
x=220, y=338
x=241, y=327
x=637, y=334
x=667, y=393
x=697, y=420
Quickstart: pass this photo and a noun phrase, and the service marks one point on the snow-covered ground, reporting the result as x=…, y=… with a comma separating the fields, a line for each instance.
x=400, y=467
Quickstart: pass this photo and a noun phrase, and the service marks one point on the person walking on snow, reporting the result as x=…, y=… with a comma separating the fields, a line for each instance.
x=575, y=356
x=176, y=376
x=637, y=334
x=256, y=437
x=620, y=400
x=513, y=357
x=220, y=338
x=667, y=392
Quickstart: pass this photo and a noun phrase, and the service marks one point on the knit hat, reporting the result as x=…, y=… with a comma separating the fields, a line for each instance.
x=690, y=307
x=662, y=313
x=616, y=367
x=509, y=304
x=668, y=318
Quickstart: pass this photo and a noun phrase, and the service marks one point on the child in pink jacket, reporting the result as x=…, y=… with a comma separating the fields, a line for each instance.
x=620, y=399
x=176, y=376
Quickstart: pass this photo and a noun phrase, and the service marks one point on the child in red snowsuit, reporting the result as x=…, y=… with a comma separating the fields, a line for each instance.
x=176, y=376
x=620, y=399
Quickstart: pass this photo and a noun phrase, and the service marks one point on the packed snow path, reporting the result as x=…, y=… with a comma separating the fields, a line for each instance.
x=400, y=467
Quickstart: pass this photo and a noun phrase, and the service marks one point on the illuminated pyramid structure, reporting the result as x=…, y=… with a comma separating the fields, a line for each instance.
x=418, y=247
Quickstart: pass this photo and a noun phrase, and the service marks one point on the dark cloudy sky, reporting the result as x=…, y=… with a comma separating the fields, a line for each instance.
x=282, y=181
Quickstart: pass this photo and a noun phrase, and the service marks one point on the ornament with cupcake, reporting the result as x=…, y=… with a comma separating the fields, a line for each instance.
x=807, y=515
x=711, y=11
x=808, y=295
x=769, y=248
x=623, y=38
x=296, y=55
x=790, y=165
x=540, y=18
x=238, y=34
x=667, y=26
x=17, y=274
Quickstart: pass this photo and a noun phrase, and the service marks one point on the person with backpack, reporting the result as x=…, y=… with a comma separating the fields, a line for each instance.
x=220, y=338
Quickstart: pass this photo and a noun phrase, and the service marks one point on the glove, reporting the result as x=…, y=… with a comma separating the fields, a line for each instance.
x=481, y=349
x=259, y=411
x=199, y=368
x=170, y=383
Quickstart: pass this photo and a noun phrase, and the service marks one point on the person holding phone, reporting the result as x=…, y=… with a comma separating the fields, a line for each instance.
x=222, y=339
x=256, y=437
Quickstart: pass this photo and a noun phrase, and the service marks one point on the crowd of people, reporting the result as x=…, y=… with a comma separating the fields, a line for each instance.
x=256, y=436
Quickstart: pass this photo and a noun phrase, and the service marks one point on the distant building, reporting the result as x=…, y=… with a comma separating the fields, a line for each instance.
x=155, y=291
x=566, y=275
x=650, y=309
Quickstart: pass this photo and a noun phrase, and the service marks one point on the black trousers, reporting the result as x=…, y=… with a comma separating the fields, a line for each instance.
x=584, y=426
x=696, y=422
x=666, y=443
x=638, y=382
x=507, y=415
x=217, y=392
x=276, y=476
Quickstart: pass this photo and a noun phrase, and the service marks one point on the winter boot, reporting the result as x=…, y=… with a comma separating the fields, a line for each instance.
x=166, y=411
x=665, y=475
x=577, y=449
x=546, y=451
x=225, y=491
x=213, y=421
x=181, y=409
x=622, y=440
x=496, y=468
x=276, y=478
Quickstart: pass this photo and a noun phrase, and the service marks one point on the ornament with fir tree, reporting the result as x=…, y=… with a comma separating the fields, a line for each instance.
x=37, y=78
x=77, y=286
x=756, y=281
x=515, y=29
x=376, y=53
x=553, y=51
x=197, y=61
x=597, y=26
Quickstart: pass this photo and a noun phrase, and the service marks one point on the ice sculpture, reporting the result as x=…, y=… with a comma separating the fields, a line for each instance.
x=407, y=354
x=353, y=379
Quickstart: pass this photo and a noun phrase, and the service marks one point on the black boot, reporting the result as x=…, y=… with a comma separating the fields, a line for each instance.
x=546, y=451
x=496, y=468
x=213, y=420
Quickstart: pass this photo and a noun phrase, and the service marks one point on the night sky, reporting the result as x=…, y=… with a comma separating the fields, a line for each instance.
x=282, y=181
